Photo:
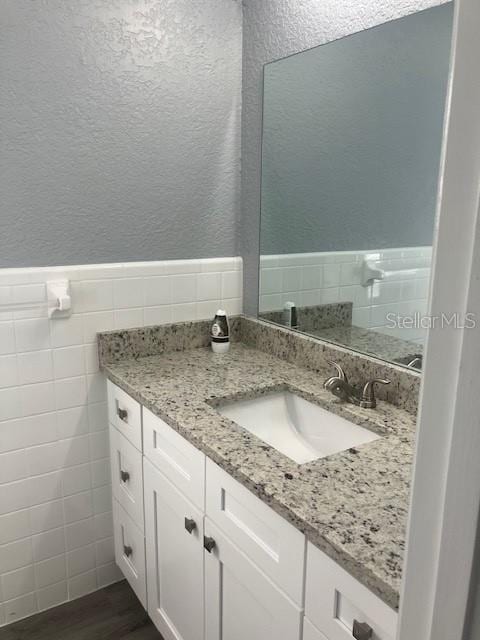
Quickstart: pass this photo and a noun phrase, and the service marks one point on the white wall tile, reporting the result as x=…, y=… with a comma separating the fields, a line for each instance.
x=209, y=286
x=80, y=533
x=49, y=544
x=8, y=371
x=158, y=291
x=93, y=323
x=76, y=479
x=18, y=583
x=71, y=392
x=158, y=315
x=55, y=495
x=7, y=338
x=44, y=517
x=81, y=560
x=231, y=284
x=52, y=595
x=37, y=398
x=66, y=332
x=69, y=362
x=128, y=318
x=10, y=403
x=17, y=554
x=78, y=507
x=72, y=422
x=82, y=584
x=107, y=574
x=184, y=288
x=35, y=366
x=19, y=608
x=13, y=466
x=50, y=571
x=32, y=335
x=128, y=293
x=14, y=526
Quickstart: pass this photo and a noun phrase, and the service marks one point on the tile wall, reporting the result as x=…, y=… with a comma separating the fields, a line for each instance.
x=319, y=278
x=55, y=499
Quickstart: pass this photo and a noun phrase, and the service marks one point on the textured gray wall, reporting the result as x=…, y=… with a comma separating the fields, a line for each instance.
x=120, y=130
x=352, y=134
x=272, y=30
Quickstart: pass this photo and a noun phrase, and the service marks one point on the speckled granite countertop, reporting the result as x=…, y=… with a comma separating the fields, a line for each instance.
x=353, y=505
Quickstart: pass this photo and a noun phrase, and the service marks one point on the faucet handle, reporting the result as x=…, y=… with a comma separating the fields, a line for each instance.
x=340, y=371
x=368, y=395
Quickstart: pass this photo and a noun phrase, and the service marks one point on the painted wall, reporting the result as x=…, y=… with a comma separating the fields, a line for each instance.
x=272, y=31
x=120, y=130
x=352, y=135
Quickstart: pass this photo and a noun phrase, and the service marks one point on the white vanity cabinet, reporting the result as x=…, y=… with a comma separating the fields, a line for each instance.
x=211, y=561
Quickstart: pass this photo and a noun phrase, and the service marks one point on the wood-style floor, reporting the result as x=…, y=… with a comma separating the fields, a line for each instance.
x=108, y=614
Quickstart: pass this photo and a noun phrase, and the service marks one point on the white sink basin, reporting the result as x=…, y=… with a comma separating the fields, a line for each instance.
x=299, y=429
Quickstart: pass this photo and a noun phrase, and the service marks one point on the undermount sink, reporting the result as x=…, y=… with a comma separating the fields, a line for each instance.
x=299, y=429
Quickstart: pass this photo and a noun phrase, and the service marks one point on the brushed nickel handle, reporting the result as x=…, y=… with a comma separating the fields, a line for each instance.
x=124, y=476
x=122, y=414
x=190, y=525
x=127, y=550
x=209, y=543
x=362, y=630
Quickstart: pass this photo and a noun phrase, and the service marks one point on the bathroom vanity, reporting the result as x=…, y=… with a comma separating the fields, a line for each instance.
x=220, y=534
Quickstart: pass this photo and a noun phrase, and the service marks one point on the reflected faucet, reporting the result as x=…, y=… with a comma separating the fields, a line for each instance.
x=340, y=387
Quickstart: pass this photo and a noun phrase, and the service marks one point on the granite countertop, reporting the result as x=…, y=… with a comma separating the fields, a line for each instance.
x=353, y=505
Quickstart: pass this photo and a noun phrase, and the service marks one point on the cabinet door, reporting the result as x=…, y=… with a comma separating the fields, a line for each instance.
x=174, y=542
x=240, y=601
x=310, y=632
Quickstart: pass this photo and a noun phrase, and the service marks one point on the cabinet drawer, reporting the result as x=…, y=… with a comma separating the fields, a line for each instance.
x=125, y=414
x=176, y=458
x=240, y=600
x=130, y=551
x=334, y=599
x=127, y=476
x=272, y=543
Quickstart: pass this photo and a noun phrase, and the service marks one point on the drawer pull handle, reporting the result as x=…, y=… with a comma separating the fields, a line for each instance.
x=209, y=543
x=124, y=476
x=362, y=630
x=190, y=525
x=127, y=550
x=122, y=414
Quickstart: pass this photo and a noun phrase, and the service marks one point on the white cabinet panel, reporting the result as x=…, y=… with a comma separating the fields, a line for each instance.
x=130, y=551
x=177, y=459
x=310, y=632
x=271, y=542
x=174, y=542
x=334, y=600
x=240, y=601
x=125, y=414
x=127, y=476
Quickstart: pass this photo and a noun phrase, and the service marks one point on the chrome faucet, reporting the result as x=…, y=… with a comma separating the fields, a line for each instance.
x=340, y=387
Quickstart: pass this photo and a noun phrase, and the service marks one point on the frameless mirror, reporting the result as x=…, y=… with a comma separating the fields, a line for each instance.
x=352, y=134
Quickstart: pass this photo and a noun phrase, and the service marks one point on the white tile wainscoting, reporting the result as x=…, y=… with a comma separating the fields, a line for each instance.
x=319, y=278
x=55, y=501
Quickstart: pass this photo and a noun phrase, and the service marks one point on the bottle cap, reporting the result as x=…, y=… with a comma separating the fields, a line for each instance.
x=221, y=312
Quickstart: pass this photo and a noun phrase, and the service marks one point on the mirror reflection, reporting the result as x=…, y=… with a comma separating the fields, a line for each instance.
x=352, y=134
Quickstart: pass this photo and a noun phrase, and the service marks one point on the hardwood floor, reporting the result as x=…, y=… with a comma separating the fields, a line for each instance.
x=108, y=614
